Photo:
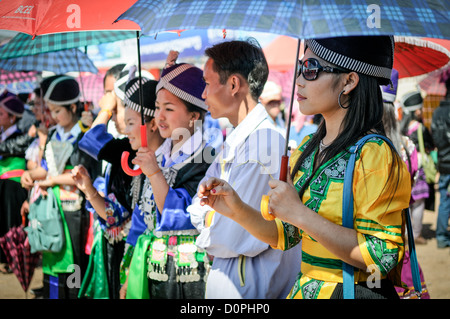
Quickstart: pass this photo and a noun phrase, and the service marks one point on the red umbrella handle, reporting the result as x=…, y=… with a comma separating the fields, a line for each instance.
x=284, y=167
x=125, y=155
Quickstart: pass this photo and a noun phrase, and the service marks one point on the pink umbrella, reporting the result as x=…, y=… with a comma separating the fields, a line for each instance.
x=19, y=257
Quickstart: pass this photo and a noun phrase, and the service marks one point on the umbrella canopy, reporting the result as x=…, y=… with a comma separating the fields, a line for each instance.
x=17, y=250
x=296, y=18
x=281, y=53
x=36, y=17
x=434, y=84
x=92, y=85
x=418, y=56
x=59, y=62
x=19, y=87
x=23, y=44
x=7, y=77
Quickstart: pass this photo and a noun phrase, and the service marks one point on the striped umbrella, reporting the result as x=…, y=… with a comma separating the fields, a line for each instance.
x=59, y=62
x=23, y=44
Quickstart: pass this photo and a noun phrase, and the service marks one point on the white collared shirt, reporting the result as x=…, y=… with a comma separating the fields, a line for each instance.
x=250, y=158
x=8, y=132
x=70, y=136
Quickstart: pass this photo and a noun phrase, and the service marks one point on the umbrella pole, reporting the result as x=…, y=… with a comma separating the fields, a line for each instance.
x=86, y=107
x=264, y=206
x=141, y=95
x=285, y=157
x=124, y=159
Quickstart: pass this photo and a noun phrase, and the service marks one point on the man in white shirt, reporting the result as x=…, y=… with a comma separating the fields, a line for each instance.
x=243, y=266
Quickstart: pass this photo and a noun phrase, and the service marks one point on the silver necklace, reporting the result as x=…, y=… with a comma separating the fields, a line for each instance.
x=322, y=146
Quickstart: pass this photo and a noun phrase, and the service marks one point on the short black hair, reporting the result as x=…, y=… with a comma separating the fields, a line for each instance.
x=114, y=71
x=241, y=57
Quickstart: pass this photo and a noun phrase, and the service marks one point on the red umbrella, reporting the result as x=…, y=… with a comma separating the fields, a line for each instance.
x=36, y=17
x=418, y=56
x=20, y=260
x=281, y=53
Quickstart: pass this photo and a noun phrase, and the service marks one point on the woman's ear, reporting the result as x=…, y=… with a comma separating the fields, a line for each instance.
x=12, y=118
x=152, y=125
x=351, y=81
x=195, y=116
x=73, y=108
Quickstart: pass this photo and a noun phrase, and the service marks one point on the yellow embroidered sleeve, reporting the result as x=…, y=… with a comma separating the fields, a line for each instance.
x=381, y=194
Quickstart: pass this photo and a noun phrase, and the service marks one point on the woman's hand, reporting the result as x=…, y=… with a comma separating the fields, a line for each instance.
x=146, y=159
x=108, y=101
x=82, y=179
x=26, y=180
x=123, y=290
x=44, y=184
x=220, y=196
x=283, y=198
x=25, y=209
x=87, y=118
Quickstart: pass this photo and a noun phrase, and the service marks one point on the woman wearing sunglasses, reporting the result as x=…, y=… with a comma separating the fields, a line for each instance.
x=338, y=78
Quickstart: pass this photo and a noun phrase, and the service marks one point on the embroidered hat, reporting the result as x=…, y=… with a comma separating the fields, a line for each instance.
x=412, y=101
x=12, y=104
x=60, y=90
x=184, y=81
x=132, y=90
x=128, y=73
x=369, y=55
x=389, y=92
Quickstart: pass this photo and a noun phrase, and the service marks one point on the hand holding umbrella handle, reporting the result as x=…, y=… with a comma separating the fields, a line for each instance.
x=265, y=198
x=125, y=155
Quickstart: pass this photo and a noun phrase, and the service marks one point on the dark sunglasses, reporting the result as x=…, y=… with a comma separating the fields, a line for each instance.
x=310, y=68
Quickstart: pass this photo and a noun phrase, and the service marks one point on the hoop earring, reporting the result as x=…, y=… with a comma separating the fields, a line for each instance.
x=339, y=101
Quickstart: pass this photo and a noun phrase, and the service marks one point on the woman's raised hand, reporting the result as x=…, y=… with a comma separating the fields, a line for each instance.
x=220, y=196
x=82, y=179
x=146, y=159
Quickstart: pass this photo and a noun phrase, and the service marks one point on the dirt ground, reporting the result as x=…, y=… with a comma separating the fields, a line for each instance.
x=435, y=265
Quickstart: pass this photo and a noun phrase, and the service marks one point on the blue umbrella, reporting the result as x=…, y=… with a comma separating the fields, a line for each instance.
x=59, y=62
x=297, y=18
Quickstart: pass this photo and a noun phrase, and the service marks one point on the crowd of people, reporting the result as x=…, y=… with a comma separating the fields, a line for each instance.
x=153, y=198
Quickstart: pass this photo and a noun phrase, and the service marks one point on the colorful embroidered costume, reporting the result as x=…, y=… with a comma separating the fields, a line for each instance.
x=377, y=220
x=61, y=153
x=165, y=252
x=116, y=187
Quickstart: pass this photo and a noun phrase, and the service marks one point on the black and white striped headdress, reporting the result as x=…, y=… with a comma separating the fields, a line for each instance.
x=184, y=81
x=369, y=55
x=131, y=98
